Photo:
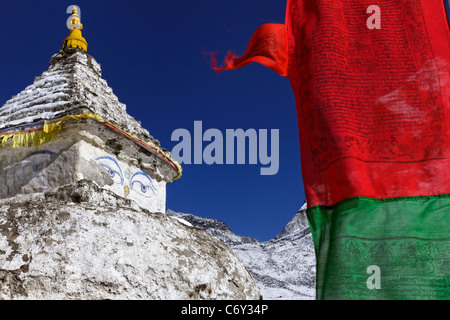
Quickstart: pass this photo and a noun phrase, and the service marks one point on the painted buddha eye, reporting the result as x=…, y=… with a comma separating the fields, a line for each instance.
x=138, y=185
x=142, y=183
x=112, y=167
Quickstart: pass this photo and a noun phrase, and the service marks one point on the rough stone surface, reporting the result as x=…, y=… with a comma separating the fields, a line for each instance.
x=83, y=242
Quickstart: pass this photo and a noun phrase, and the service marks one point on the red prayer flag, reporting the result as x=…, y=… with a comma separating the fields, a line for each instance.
x=373, y=108
x=371, y=102
x=267, y=46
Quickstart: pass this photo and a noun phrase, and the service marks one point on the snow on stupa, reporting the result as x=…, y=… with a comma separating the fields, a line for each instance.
x=69, y=126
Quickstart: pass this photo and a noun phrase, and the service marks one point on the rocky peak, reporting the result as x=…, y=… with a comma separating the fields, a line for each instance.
x=216, y=228
x=298, y=224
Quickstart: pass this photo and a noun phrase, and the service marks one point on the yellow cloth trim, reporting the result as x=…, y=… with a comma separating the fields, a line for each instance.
x=29, y=139
x=52, y=128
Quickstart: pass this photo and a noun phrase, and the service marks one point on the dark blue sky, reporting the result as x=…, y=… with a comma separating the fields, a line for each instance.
x=153, y=55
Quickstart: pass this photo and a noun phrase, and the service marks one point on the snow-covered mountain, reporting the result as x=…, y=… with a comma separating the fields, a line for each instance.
x=216, y=228
x=283, y=267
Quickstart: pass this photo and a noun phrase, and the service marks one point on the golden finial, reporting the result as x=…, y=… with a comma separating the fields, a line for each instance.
x=75, y=39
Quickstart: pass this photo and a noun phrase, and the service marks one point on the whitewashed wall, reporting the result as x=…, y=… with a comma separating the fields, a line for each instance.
x=78, y=154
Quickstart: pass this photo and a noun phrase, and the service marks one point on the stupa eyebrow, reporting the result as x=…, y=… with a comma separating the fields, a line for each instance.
x=48, y=152
x=140, y=173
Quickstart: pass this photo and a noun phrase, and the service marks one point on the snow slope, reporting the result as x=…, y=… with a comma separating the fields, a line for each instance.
x=283, y=267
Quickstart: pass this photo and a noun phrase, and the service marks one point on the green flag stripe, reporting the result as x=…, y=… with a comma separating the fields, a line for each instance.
x=407, y=239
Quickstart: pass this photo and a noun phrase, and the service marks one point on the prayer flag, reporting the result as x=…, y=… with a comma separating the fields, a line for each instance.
x=372, y=88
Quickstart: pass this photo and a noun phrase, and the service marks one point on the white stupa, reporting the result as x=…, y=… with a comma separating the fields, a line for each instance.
x=69, y=126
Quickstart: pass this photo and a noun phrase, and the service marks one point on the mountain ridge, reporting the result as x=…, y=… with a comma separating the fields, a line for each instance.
x=283, y=267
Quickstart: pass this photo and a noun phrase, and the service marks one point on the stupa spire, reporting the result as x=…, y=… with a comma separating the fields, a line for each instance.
x=75, y=38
